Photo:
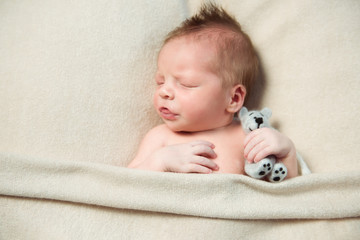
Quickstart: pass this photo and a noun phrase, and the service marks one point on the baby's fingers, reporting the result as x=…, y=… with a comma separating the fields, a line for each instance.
x=252, y=147
x=205, y=162
x=258, y=154
x=250, y=137
x=204, y=150
x=202, y=142
x=195, y=168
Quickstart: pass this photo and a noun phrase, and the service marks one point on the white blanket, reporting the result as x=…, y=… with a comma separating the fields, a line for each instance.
x=226, y=196
x=75, y=188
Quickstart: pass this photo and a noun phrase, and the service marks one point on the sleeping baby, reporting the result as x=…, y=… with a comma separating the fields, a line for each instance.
x=206, y=67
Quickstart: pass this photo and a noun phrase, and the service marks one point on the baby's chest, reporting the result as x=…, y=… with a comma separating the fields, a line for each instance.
x=230, y=157
x=228, y=148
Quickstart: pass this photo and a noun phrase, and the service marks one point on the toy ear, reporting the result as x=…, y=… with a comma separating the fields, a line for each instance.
x=266, y=112
x=243, y=112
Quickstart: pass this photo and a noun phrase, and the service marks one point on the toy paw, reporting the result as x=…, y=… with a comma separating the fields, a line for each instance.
x=260, y=169
x=278, y=173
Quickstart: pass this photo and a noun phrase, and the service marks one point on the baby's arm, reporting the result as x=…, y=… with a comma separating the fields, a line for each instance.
x=263, y=142
x=194, y=157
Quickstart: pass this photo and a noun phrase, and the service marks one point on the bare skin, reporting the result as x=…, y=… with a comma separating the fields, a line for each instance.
x=192, y=154
x=199, y=134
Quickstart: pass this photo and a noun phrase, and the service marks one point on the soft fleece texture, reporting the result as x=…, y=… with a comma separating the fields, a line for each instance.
x=75, y=100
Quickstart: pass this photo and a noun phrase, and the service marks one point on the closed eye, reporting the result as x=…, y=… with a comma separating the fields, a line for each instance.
x=159, y=83
x=159, y=79
x=188, y=85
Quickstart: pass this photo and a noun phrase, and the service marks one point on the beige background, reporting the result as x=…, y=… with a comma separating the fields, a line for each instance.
x=76, y=77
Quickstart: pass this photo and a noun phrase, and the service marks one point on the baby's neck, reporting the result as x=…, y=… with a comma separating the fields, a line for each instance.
x=233, y=123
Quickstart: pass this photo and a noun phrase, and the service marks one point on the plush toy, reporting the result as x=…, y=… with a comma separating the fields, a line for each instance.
x=267, y=167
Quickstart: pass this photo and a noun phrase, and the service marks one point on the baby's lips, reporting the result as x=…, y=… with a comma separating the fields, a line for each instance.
x=164, y=110
x=167, y=114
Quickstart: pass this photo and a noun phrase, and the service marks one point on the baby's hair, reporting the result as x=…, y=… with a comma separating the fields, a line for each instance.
x=236, y=61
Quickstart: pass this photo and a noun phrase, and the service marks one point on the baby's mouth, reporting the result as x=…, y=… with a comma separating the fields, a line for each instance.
x=166, y=114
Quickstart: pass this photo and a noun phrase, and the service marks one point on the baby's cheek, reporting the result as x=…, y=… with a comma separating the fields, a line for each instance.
x=195, y=111
x=192, y=115
x=156, y=100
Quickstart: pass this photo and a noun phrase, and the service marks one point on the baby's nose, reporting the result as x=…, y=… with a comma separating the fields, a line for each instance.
x=166, y=93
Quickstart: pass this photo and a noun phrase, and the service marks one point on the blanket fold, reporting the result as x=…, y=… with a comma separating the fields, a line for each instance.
x=224, y=196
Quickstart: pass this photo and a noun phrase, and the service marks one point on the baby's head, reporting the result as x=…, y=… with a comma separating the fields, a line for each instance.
x=235, y=59
x=205, y=68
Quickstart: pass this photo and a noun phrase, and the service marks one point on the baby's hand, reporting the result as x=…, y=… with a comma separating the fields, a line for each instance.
x=263, y=142
x=193, y=157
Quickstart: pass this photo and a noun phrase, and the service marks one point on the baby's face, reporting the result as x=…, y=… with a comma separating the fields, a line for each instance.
x=190, y=96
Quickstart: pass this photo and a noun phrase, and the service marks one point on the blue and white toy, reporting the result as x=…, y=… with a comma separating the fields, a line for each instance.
x=268, y=167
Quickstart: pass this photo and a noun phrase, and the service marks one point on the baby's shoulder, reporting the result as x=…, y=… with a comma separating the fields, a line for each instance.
x=158, y=131
x=156, y=136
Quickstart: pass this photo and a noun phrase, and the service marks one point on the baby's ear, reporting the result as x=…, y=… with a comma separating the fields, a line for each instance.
x=238, y=93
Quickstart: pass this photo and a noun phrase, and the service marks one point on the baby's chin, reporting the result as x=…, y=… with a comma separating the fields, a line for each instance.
x=187, y=128
x=179, y=129
x=191, y=128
